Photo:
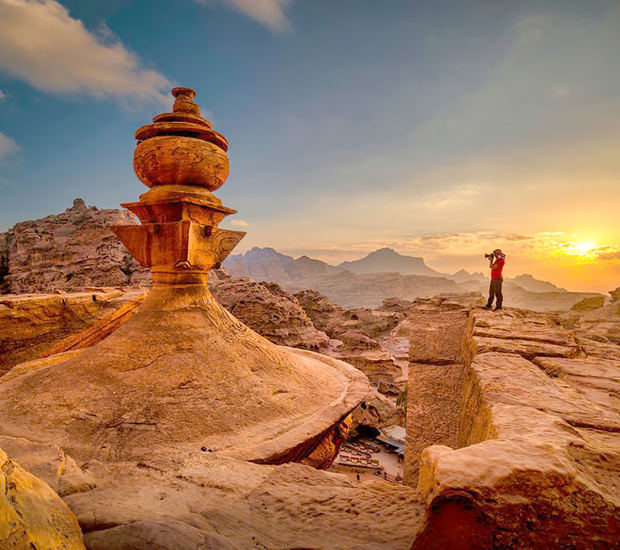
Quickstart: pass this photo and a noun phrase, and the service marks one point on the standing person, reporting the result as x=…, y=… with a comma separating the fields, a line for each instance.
x=496, y=263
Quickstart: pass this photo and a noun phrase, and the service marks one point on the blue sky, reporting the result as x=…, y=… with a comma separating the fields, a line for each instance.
x=440, y=128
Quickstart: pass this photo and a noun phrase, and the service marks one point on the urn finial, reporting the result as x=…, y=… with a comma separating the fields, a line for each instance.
x=182, y=159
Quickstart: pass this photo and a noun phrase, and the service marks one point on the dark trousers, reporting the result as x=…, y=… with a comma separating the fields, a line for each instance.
x=495, y=291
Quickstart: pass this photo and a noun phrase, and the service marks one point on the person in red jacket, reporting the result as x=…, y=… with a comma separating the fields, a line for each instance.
x=496, y=263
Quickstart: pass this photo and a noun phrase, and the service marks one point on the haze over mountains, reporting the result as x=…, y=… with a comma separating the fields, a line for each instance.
x=385, y=273
x=75, y=249
x=386, y=260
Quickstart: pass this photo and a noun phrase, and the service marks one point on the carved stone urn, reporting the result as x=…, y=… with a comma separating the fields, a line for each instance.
x=182, y=159
x=181, y=148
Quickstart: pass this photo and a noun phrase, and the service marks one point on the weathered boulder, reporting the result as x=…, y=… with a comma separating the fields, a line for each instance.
x=49, y=463
x=615, y=294
x=31, y=514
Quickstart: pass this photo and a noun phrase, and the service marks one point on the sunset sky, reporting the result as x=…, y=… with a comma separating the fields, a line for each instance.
x=443, y=129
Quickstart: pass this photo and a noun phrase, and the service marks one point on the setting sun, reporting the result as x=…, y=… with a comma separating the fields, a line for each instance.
x=585, y=249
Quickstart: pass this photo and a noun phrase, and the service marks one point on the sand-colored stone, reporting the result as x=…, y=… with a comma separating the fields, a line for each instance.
x=436, y=372
x=250, y=506
x=270, y=311
x=31, y=324
x=31, y=514
x=148, y=384
x=70, y=251
x=589, y=304
x=49, y=463
x=537, y=455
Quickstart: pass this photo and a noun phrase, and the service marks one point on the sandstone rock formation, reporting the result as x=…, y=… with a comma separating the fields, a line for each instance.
x=182, y=372
x=354, y=333
x=589, y=304
x=30, y=324
x=72, y=250
x=31, y=514
x=600, y=324
x=529, y=453
x=270, y=311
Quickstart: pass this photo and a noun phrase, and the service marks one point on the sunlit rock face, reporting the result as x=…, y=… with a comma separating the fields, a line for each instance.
x=32, y=515
x=512, y=430
x=183, y=371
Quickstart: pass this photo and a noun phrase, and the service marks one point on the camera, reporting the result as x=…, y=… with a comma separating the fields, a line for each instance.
x=489, y=256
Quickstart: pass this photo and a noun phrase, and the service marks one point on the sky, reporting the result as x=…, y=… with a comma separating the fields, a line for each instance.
x=442, y=129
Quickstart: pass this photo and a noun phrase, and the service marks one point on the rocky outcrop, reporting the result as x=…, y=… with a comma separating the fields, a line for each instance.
x=271, y=311
x=31, y=514
x=533, y=458
x=589, y=304
x=377, y=411
x=598, y=324
x=69, y=251
x=358, y=349
x=355, y=333
x=31, y=324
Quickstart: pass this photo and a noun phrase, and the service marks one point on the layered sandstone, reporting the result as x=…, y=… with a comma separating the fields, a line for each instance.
x=355, y=335
x=31, y=324
x=531, y=454
x=271, y=311
x=70, y=251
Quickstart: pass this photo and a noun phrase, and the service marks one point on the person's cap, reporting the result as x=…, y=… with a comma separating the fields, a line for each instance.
x=497, y=251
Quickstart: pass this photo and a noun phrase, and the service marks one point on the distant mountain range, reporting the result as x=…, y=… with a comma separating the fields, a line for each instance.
x=385, y=273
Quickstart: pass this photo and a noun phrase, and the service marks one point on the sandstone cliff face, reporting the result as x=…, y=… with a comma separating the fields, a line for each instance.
x=30, y=324
x=71, y=250
x=517, y=423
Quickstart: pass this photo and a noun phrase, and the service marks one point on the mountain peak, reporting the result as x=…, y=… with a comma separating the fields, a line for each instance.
x=387, y=260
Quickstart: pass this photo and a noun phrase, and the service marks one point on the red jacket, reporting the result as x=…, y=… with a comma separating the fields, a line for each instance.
x=496, y=272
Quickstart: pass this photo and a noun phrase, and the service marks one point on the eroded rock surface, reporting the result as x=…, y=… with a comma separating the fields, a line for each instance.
x=69, y=251
x=355, y=335
x=600, y=324
x=31, y=324
x=271, y=311
x=31, y=514
x=534, y=462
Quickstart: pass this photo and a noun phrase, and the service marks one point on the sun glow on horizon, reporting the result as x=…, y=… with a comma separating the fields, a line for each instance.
x=583, y=249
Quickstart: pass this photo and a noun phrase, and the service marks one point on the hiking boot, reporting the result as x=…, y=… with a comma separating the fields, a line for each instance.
x=497, y=308
x=487, y=307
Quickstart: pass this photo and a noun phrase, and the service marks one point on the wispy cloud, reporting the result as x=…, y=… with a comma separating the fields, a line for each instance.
x=268, y=12
x=8, y=146
x=42, y=44
x=240, y=223
x=2, y=95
